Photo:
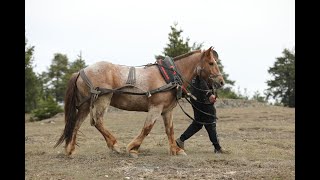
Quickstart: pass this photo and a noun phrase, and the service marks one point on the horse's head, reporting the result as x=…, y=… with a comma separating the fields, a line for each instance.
x=208, y=68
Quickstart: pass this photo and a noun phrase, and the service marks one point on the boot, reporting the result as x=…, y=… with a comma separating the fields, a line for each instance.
x=180, y=144
x=221, y=151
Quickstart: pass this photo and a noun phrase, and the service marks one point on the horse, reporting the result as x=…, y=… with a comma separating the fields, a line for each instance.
x=112, y=77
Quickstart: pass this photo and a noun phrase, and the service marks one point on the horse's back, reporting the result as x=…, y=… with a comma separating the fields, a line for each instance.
x=105, y=73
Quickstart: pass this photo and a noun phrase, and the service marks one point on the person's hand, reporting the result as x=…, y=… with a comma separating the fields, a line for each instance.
x=212, y=98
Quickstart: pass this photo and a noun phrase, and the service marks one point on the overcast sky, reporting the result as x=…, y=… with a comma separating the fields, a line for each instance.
x=247, y=34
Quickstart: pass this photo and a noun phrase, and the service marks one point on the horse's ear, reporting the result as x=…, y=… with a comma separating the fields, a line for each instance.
x=208, y=51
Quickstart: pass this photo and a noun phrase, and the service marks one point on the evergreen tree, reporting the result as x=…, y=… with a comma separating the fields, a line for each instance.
x=46, y=87
x=258, y=97
x=73, y=67
x=282, y=85
x=176, y=45
x=77, y=65
x=32, y=84
x=57, y=71
x=226, y=91
x=47, y=108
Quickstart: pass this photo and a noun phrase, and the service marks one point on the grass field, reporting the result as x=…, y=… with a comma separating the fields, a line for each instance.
x=261, y=141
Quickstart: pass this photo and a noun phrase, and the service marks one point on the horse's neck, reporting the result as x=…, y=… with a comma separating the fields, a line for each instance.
x=187, y=67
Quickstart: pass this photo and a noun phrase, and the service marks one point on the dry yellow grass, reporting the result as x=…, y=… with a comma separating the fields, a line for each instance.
x=261, y=141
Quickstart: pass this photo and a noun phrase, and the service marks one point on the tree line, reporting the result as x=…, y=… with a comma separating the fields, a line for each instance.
x=44, y=92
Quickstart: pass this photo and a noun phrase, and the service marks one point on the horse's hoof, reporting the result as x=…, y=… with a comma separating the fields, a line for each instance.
x=70, y=156
x=69, y=153
x=69, y=150
x=116, y=149
x=133, y=154
x=181, y=153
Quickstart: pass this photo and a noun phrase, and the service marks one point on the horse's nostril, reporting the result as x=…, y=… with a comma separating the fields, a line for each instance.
x=221, y=83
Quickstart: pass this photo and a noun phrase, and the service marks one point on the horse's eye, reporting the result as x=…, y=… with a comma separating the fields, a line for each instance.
x=211, y=63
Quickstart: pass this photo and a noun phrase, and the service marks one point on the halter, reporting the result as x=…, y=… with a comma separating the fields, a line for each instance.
x=199, y=69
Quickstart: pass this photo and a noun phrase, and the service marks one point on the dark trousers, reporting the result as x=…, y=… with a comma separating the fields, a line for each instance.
x=194, y=127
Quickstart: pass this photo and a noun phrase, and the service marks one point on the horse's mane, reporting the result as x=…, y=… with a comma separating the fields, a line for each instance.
x=185, y=55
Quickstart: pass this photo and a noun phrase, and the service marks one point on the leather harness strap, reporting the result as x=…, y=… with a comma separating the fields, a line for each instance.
x=132, y=76
x=93, y=97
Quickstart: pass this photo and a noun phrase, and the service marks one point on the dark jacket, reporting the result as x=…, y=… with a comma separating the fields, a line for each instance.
x=202, y=101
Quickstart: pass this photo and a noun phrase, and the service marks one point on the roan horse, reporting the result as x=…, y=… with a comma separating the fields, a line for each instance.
x=111, y=76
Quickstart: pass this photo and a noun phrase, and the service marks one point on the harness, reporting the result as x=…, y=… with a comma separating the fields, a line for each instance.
x=170, y=73
x=95, y=92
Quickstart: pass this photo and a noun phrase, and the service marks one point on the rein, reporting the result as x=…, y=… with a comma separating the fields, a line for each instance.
x=204, y=123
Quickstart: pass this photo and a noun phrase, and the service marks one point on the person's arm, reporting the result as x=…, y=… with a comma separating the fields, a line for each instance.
x=203, y=85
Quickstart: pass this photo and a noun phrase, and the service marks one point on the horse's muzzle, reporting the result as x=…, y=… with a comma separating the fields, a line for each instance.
x=217, y=82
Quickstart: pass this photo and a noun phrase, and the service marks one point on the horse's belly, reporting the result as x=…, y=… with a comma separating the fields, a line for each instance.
x=130, y=102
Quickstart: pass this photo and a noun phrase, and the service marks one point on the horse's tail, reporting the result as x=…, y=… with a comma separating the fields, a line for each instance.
x=70, y=110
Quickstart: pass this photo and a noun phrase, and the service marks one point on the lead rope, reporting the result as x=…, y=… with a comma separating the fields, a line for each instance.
x=204, y=123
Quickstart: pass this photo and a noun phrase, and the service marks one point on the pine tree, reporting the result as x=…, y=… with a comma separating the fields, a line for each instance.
x=226, y=91
x=282, y=85
x=258, y=97
x=32, y=85
x=57, y=70
x=46, y=109
x=176, y=45
x=46, y=87
x=77, y=65
x=73, y=67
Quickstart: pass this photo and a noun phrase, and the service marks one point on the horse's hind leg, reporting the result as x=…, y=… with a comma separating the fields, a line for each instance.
x=100, y=106
x=168, y=124
x=81, y=115
x=153, y=115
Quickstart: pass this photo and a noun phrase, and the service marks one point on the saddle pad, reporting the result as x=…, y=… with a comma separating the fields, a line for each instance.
x=167, y=69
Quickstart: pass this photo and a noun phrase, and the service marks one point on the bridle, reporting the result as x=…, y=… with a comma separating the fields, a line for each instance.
x=201, y=69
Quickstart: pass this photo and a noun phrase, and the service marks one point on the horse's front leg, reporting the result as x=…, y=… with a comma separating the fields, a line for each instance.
x=174, y=149
x=153, y=114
